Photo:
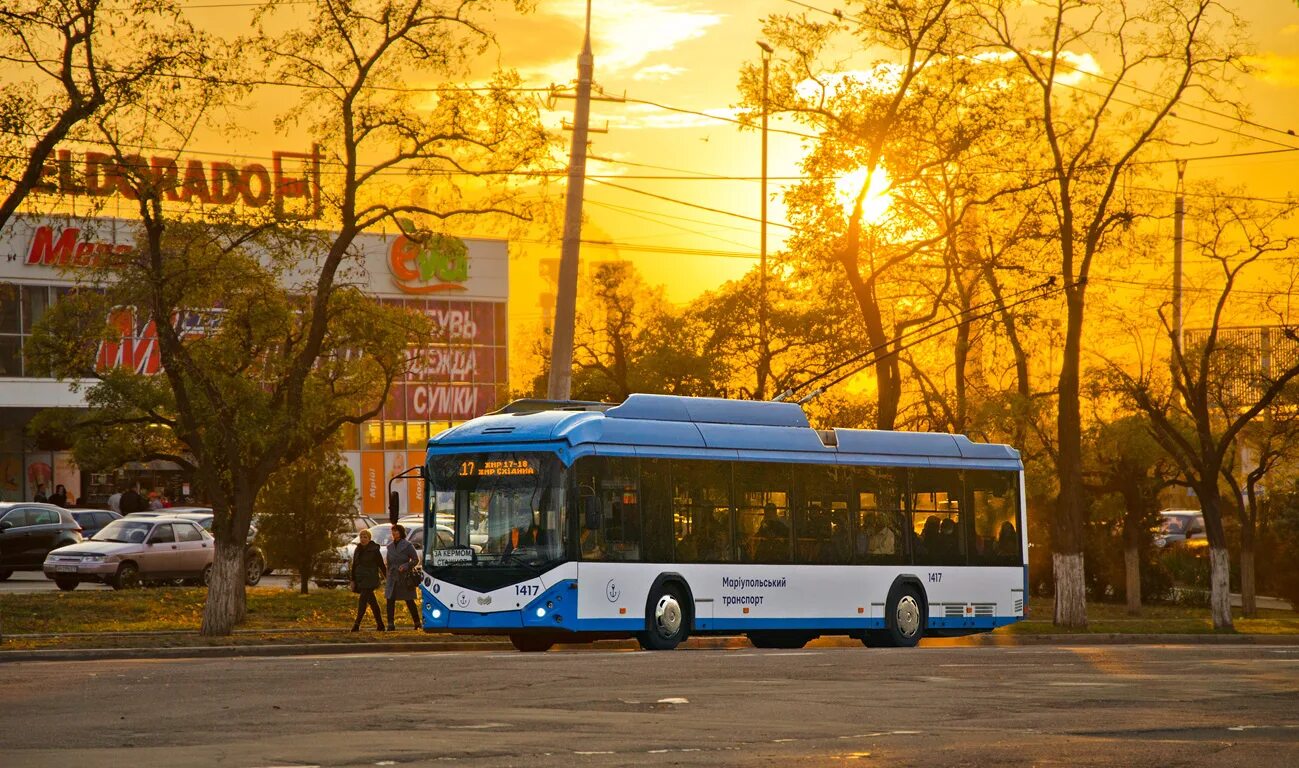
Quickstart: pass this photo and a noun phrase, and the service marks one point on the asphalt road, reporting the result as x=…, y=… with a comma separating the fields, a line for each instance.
x=1083, y=706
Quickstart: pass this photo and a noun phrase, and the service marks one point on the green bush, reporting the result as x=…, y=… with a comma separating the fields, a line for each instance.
x=1187, y=566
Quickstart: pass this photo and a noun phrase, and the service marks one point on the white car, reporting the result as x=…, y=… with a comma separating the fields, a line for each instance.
x=1180, y=526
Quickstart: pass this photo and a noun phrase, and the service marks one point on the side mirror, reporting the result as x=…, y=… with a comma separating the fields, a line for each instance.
x=6, y=525
x=394, y=507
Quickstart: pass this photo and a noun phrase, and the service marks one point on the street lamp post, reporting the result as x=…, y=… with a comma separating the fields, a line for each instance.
x=763, y=363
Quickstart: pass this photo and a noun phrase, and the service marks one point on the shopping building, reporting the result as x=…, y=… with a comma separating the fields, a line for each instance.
x=460, y=373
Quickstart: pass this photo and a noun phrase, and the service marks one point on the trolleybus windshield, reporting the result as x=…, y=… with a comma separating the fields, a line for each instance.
x=506, y=508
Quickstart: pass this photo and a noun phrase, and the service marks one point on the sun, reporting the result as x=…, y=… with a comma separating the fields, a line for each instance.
x=876, y=205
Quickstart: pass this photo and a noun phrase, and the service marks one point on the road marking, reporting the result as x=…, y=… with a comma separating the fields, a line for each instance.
x=674, y=700
x=596, y=752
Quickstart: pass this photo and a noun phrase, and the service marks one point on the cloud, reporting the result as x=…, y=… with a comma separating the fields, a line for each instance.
x=624, y=35
x=1276, y=68
x=659, y=72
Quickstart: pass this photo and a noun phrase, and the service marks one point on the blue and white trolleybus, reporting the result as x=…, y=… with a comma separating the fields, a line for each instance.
x=665, y=517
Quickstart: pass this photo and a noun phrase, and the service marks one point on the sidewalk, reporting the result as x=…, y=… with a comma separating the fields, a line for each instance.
x=449, y=644
x=1264, y=603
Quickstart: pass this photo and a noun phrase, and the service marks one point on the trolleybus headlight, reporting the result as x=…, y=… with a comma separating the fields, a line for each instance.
x=541, y=613
x=437, y=613
x=549, y=605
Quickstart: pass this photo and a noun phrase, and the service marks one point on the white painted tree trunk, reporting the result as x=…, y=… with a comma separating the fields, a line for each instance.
x=1070, y=591
x=226, y=601
x=1220, y=591
x=1132, y=579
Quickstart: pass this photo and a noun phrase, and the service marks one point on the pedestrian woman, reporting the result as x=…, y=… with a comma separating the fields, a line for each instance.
x=60, y=496
x=402, y=559
x=367, y=570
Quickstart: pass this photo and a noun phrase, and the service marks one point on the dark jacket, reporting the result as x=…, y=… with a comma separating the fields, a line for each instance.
x=367, y=567
x=132, y=501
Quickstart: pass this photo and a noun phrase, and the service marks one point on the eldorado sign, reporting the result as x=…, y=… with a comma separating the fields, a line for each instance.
x=292, y=176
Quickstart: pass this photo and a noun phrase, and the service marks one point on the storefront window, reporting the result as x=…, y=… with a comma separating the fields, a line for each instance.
x=417, y=434
x=9, y=303
x=394, y=434
x=372, y=435
x=36, y=300
x=351, y=440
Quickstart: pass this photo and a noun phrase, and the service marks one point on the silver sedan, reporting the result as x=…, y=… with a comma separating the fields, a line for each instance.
x=134, y=550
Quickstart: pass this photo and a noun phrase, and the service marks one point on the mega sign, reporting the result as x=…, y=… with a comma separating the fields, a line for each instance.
x=293, y=176
x=137, y=348
x=66, y=247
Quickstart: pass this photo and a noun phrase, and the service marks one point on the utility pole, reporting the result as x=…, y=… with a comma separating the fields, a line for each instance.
x=560, y=384
x=1179, y=214
x=764, y=362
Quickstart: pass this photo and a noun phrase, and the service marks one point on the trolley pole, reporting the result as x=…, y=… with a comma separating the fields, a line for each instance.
x=560, y=384
x=1179, y=215
x=763, y=362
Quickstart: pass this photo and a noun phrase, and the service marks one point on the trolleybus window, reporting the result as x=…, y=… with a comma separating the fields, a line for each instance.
x=881, y=518
x=822, y=532
x=607, y=496
x=510, y=504
x=656, y=511
x=994, y=504
x=701, y=511
x=936, y=523
x=762, y=511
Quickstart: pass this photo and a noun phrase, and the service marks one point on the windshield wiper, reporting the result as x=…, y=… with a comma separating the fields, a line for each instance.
x=514, y=554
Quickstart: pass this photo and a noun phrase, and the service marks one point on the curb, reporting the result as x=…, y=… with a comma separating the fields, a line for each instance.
x=698, y=644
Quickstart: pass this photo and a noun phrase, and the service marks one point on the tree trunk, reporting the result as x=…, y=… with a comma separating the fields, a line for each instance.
x=1070, y=590
x=1248, y=598
x=1070, y=597
x=1132, y=574
x=226, y=601
x=1220, y=590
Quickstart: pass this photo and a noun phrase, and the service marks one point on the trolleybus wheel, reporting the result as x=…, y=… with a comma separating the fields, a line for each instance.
x=780, y=639
x=904, y=620
x=531, y=643
x=666, y=623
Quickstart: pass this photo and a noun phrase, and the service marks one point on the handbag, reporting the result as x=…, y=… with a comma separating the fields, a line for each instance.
x=411, y=576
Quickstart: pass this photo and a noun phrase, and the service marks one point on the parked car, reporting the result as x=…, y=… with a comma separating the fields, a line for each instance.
x=335, y=569
x=29, y=531
x=92, y=520
x=254, y=558
x=1180, y=526
x=133, y=551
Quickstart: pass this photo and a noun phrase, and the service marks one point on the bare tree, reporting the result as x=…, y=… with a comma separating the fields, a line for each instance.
x=70, y=62
x=1270, y=441
x=1096, y=125
x=281, y=374
x=1215, y=393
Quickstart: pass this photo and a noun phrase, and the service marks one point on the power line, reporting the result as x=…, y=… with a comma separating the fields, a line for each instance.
x=888, y=348
x=721, y=118
x=638, y=215
x=688, y=204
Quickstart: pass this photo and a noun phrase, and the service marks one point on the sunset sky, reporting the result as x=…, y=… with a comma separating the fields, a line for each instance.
x=684, y=56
